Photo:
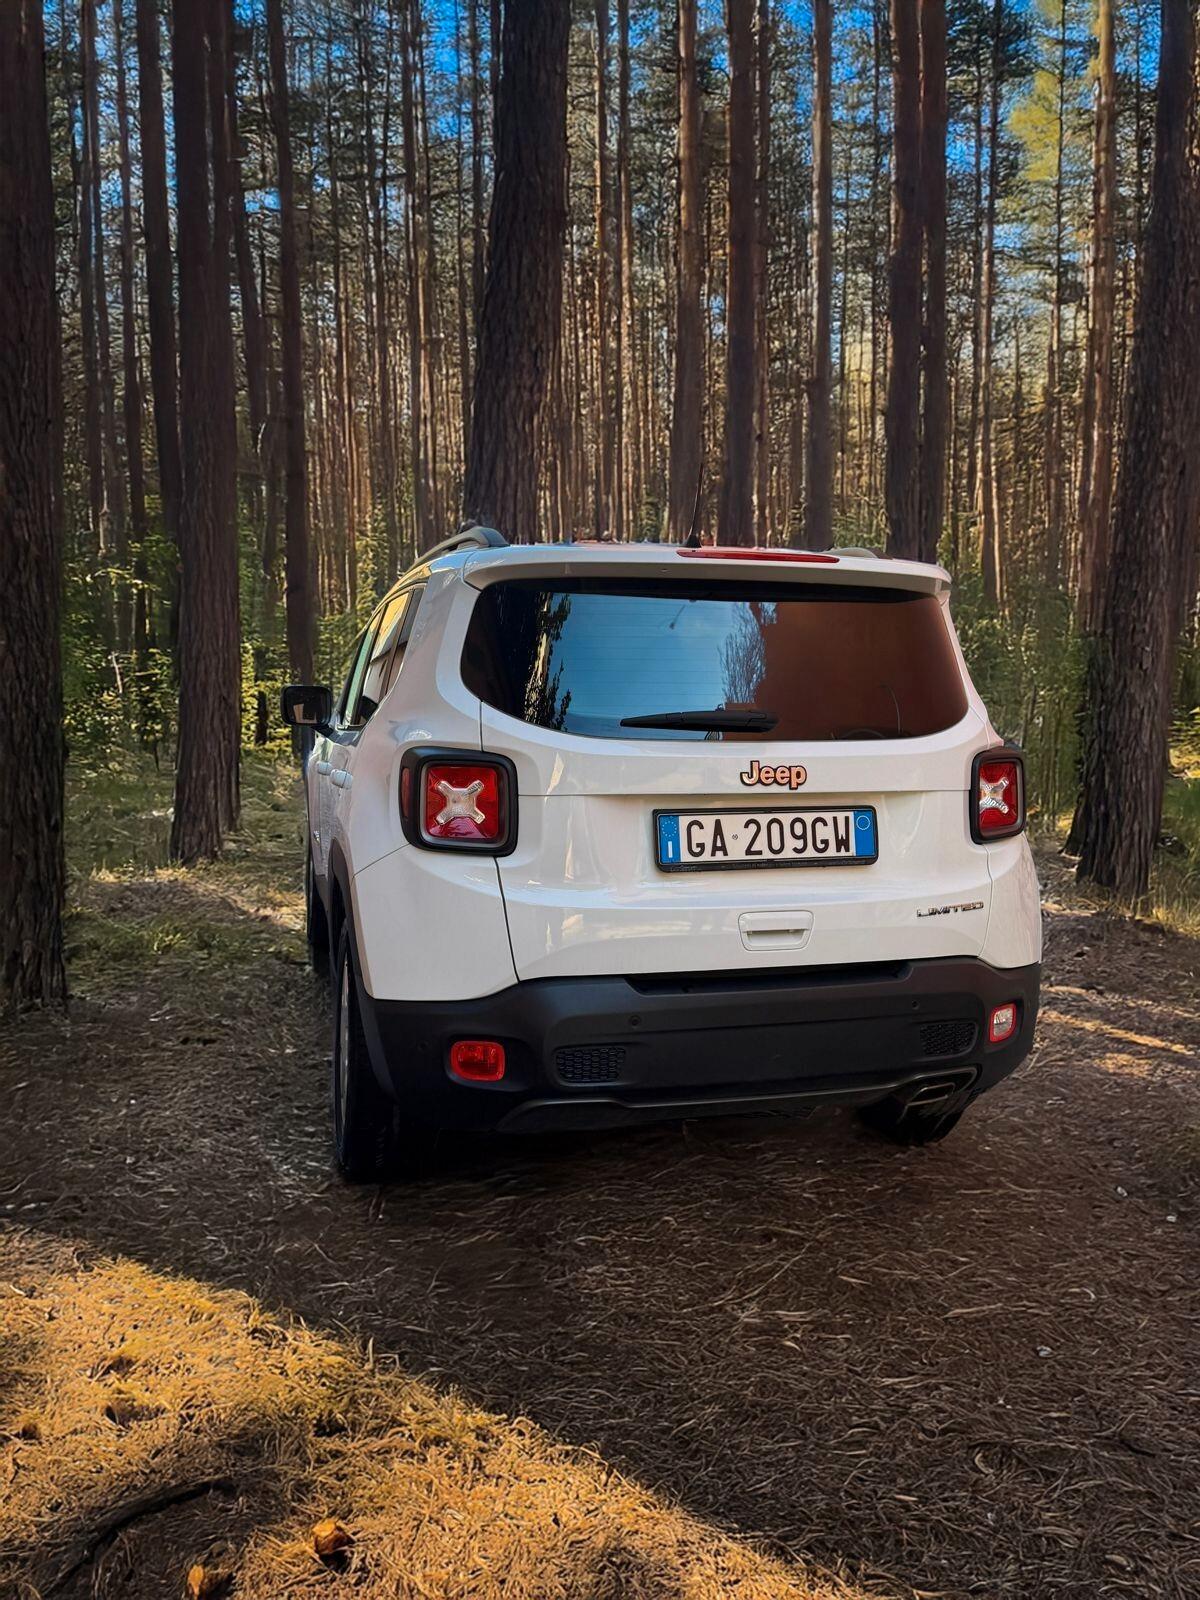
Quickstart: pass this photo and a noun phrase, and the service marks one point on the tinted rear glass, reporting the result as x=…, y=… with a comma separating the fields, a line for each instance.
x=828, y=661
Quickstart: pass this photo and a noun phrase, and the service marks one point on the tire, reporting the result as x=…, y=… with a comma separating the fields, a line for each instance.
x=366, y=1138
x=316, y=923
x=894, y=1120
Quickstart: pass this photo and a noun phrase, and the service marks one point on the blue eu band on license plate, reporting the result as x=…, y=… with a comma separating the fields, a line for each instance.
x=698, y=841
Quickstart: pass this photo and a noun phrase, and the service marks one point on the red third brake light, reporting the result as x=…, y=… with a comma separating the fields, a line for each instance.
x=726, y=552
x=463, y=803
x=997, y=795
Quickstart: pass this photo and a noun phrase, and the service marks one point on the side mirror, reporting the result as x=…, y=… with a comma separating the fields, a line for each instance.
x=306, y=705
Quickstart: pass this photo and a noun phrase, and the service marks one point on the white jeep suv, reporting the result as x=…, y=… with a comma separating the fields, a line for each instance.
x=607, y=833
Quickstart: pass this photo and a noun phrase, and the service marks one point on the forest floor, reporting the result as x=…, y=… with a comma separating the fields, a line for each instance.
x=735, y=1359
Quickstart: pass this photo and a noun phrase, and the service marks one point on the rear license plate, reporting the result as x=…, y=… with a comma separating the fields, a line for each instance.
x=704, y=841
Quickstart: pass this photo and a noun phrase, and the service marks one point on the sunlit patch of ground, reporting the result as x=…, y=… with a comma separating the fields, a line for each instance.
x=127, y=1395
x=129, y=906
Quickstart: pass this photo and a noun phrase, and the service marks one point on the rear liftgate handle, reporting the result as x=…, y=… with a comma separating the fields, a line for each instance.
x=775, y=930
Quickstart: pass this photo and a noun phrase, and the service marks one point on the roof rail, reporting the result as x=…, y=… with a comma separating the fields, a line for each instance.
x=472, y=534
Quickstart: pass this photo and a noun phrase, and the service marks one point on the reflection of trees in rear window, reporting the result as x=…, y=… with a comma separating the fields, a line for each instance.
x=546, y=703
x=744, y=655
x=828, y=662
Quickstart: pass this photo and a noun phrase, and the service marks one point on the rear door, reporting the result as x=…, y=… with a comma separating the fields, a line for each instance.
x=368, y=682
x=802, y=800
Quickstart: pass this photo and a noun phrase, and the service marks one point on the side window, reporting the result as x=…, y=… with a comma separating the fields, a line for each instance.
x=405, y=633
x=348, y=701
x=375, y=678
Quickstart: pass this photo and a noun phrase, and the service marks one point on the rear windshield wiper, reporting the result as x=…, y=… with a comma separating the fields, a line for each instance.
x=718, y=720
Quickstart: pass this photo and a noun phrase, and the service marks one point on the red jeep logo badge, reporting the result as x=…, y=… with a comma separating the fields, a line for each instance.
x=791, y=777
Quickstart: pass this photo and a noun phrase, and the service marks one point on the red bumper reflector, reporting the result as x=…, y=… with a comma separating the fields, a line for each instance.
x=477, y=1060
x=1002, y=1023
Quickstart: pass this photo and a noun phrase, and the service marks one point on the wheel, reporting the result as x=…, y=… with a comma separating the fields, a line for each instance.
x=902, y=1123
x=316, y=923
x=365, y=1120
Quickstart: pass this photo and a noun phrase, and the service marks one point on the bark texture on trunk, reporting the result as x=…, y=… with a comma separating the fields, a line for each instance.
x=818, y=501
x=298, y=581
x=521, y=324
x=687, y=415
x=735, y=523
x=901, y=479
x=1157, y=501
x=31, y=730
x=206, y=777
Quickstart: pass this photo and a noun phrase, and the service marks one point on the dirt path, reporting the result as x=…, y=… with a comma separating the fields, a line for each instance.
x=973, y=1370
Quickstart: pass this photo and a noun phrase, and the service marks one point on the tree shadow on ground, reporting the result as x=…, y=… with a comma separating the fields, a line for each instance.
x=180, y=1427
x=968, y=1365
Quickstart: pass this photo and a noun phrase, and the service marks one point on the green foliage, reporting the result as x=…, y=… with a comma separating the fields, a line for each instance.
x=113, y=698
x=1028, y=666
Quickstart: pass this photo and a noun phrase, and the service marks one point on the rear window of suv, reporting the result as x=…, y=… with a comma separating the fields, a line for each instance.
x=826, y=661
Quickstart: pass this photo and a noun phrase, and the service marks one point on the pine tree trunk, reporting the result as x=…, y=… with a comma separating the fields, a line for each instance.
x=478, y=220
x=522, y=302
x=933, y=195
x=206, y=778
x=253, y=332
x=1157, y=501
x=843, y=388
x=298, y=583
x=1095, y=505
x=131, y=396
x=902, y=416
x=417, y=335
x=818, y=504
x=762, y=309
x=687, y=410
x=376, y=165
x=604, y=427
x=986, y=477
x=160, y=295
x=877, y=162
x=431, y=334
x=977, y=230
x=31, y=728
x=86, y=236
x=735, y=518
x=1055, y=444
x=117, y=533
x=628, y=440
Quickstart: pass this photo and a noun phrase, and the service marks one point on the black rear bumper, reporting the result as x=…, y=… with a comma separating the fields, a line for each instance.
x=602, y=1052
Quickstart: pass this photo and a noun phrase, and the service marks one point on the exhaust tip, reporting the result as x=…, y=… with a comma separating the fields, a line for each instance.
x=934, y=1093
